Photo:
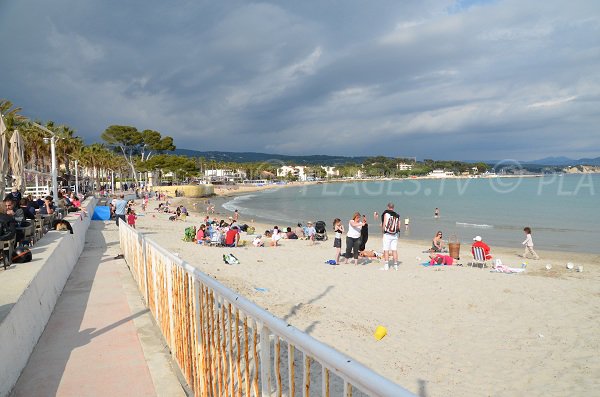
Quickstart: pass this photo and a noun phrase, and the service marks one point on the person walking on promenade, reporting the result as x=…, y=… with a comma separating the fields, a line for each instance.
x=353, y=237
x=528, y=243
x=390, y=226
x=120, y=208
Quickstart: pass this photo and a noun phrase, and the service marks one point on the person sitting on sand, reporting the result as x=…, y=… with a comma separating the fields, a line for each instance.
x=275, y=236
x=437, y=244
x=290, y=235
x=257, y=242
x=232, y=237
x=299, y=230
x=310, y=232
x=481, y=244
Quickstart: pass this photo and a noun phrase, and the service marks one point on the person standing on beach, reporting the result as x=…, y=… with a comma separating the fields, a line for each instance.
x=528, y=243
x=390, y=226
x=338, y=229
x=236, y=215
x=120, y=208
x=353, y=237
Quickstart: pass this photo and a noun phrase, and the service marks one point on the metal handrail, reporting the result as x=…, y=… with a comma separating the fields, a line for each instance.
x=349, y=370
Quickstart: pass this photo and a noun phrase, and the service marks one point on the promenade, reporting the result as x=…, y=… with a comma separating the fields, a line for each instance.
x=100, y=339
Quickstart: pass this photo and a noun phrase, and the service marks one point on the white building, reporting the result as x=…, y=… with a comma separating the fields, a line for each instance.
x=404, y=167
x=440, y=174
x=297, y=171
x=225, y=174
x=330, y=172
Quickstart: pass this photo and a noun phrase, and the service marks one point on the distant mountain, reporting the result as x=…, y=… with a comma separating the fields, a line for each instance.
x=249, y=157
x=565, y=161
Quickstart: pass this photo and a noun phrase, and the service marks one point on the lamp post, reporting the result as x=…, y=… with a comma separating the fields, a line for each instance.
x=52, y=140
x=76, y=179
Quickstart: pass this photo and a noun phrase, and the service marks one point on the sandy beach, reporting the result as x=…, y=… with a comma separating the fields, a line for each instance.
x=452, y=330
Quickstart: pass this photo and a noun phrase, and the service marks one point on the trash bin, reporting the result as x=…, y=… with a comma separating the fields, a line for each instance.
x=454, y=247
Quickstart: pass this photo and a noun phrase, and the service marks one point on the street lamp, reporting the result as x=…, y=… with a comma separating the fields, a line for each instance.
x=52, y=140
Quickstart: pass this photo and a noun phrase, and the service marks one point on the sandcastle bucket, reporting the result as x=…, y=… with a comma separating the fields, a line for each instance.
x=380, y=332
x=454, y=247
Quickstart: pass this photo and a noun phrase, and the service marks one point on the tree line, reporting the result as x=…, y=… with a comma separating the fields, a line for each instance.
x=127, y=152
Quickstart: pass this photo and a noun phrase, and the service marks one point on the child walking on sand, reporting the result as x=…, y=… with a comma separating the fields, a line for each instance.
x=131, y=217
x=338, y=228
x=528, y=243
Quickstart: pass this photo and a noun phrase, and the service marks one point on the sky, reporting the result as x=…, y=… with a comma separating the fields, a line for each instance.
x=465, y=80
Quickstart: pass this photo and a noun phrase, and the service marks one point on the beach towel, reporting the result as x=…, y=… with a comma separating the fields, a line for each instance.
x=442, y=260
x=230, y=259
x=506, y=269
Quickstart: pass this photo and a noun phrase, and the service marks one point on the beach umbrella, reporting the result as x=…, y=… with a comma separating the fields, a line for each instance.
x=3, y=156
x=17, y=159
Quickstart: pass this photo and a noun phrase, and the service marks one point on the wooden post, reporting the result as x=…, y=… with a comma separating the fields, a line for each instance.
x=278, y=365
x=306, y=389
x=265, y=360
x=291, y=370
x=325, y=381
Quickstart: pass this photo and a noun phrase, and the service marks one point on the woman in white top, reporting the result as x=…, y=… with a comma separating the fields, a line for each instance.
x=353, y=237
x=275, y=236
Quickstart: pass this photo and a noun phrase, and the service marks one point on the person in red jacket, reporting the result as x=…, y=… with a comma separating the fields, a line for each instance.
x=232, y=237
x=481, y=244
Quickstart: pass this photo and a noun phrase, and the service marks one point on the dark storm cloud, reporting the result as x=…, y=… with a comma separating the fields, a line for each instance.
x=442, y=79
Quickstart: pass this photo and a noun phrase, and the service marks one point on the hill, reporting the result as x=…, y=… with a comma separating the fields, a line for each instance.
x=565, y=161
x=251, y=157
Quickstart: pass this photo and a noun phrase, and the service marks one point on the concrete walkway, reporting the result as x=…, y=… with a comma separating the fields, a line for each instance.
x=100, y=339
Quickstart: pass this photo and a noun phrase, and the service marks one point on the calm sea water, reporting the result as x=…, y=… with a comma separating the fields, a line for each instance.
x=561, y=210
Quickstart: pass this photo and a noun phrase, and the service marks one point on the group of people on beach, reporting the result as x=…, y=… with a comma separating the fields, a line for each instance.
x=438, y=245
x=357, y=236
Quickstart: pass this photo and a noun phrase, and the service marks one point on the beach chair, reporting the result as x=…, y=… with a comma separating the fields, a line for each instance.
x=7, y=248
x=478, y=257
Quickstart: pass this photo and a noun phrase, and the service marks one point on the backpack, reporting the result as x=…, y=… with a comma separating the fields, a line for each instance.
x=230, y=259
x=189, y=233
x=22, y=255
x=392, y=226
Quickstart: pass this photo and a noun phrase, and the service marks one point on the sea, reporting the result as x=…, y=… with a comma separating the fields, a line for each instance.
x=562, y=210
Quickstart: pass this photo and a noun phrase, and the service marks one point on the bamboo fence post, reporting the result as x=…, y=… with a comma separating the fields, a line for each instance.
x=238, y=368
x=347, y=389
x=205, y=342
x=324, y=380
x=155, y=276
x=198, y=354
x=224, y=349
x=306, y=389
x=291, y=370
x=277, y=365
x=256, y=362
x=214, y=354
x=145, y=262
x=229, y=332
x=265, y=360
x=246, y=356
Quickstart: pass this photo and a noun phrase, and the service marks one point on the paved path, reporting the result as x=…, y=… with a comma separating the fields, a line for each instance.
x=100, y=339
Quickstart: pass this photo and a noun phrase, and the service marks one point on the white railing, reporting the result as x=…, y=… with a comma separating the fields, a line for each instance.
x=226, y=345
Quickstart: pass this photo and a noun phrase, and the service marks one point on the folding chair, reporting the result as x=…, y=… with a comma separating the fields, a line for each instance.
x=216, y=240
x=478, y=257
x=7, y=248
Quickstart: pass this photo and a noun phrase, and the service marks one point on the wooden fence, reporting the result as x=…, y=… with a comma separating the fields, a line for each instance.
x=226, y=345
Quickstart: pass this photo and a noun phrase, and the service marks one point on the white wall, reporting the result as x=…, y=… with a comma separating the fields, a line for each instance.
x=24, y=324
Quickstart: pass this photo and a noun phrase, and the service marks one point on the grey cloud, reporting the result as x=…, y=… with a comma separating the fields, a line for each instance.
x=508, y=78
